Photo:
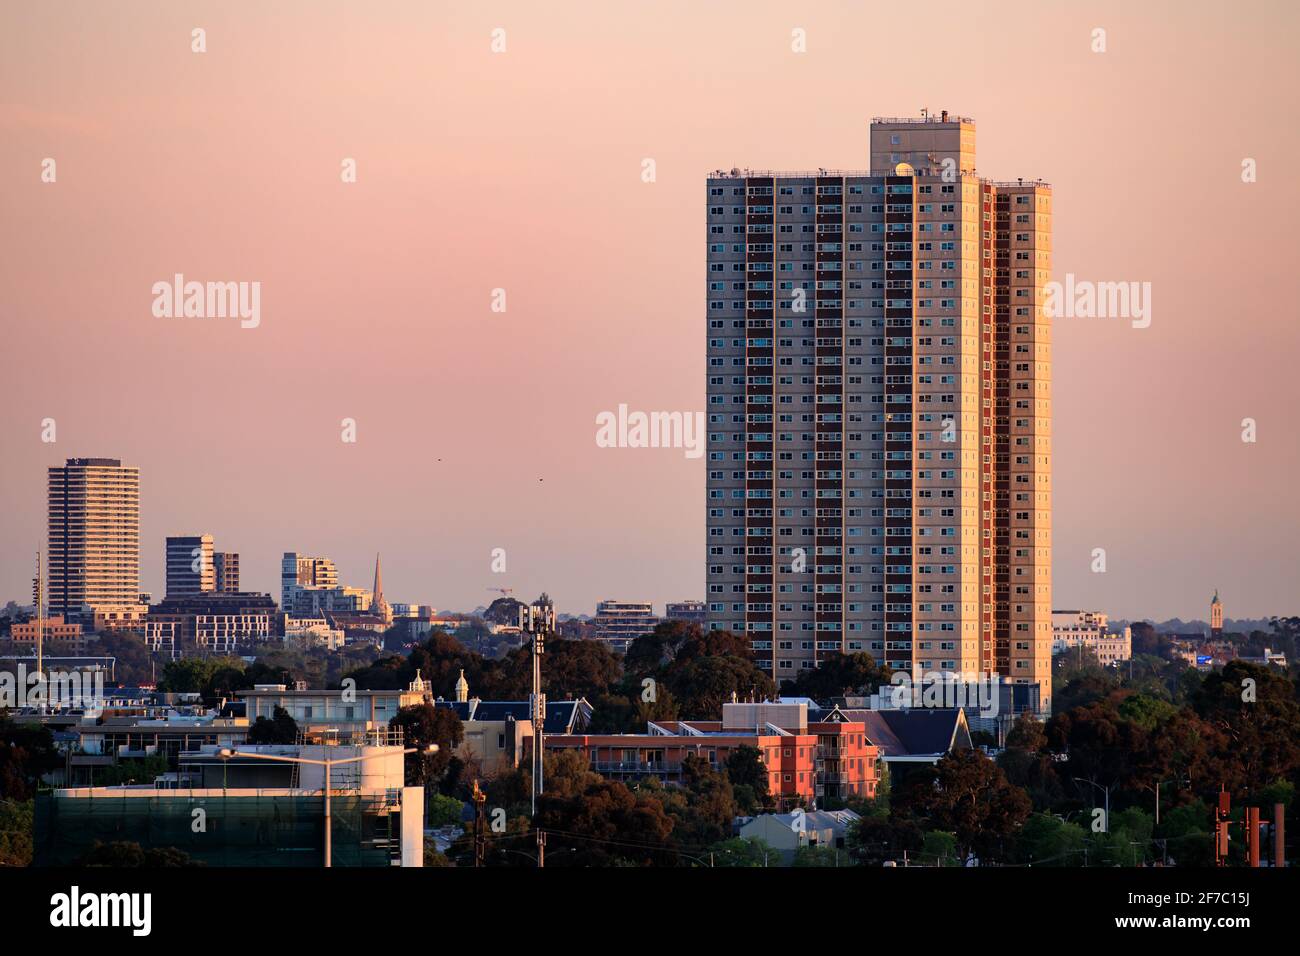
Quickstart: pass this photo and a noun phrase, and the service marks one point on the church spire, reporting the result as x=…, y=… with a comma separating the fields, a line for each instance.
x=378, y=606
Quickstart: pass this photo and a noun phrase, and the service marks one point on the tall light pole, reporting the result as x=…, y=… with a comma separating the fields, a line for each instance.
x=328, y=763
x=1106, y=791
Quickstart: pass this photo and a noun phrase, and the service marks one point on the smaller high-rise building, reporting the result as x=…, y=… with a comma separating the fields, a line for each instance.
x=225, y=564
x=619, y=623
x=309, y=587
x=1216, y=615
x=190, y=567
x=94, y=536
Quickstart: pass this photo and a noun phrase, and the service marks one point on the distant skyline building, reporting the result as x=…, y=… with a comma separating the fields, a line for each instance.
x=94, y=536
x=226, y=566
x=190, y=567
x=619, y=623
x=879, y=397
x=309, y=587
x=1216, y=614
x=218, y=622
x=691, y=612
x=1090, y=630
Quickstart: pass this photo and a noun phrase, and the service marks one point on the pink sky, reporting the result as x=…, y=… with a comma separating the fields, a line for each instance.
x=522, y=171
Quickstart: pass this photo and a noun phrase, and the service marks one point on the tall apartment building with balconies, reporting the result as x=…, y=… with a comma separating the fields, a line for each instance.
x=619, y=623
x=94, y=536
x=226, y=566
x=191, y=568
x=879, y=397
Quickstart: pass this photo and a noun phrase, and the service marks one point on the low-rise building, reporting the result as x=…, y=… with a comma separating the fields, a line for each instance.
x=908, y=736
x=805, y=760
x=499, y=734
x=52, y=628
x=789, y=832
x=1088, y=630
x=343, y=712
x=218, y=622
x=255, y=811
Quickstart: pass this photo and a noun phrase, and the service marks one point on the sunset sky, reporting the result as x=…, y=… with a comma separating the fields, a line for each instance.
x=522, y=170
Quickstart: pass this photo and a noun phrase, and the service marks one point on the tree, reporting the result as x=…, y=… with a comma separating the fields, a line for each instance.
x=606, y=825
x=710, y=804
x=443, y=811
x=839, y=675
x=703, y=683
x=140, y=770
x=211, y=677
x=618, y=714
x=1256, y=710
x=818, y=856
x=423, y=725
x=16, y=822
x=1102, y=746
x=26, y=754
x=650, y=653
x=1027, y=733
x=939, y=848
x=134, y=660
x=746, y=769
x=876, y=840
x=966, y=794
x=279, y=729
x=1045, y=840
x=738, y=852
x=126, y=853
x=1146, y=710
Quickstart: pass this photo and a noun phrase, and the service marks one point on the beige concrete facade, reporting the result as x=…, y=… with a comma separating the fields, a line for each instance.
x=880, y=411
x=94, y=536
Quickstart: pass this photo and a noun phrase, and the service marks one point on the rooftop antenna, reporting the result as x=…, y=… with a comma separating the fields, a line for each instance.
x=538, y=620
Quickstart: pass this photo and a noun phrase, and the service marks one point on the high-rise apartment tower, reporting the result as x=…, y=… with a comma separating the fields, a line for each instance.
x=94, y=529
x=191, y=568
x=879, y=391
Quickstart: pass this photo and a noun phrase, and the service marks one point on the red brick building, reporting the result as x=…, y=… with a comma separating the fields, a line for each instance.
x=805, y=762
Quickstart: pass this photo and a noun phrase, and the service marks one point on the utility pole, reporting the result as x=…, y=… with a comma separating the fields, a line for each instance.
x=538, y=620
x=1221, y=815
x=480, y=842
x=1279, y=835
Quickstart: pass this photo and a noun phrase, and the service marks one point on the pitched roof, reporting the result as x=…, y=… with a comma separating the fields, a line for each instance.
x=918, y=732
x=562, y=716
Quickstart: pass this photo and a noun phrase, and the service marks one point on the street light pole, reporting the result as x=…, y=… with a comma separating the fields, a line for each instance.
x=1106, y=791
x=329, y=819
